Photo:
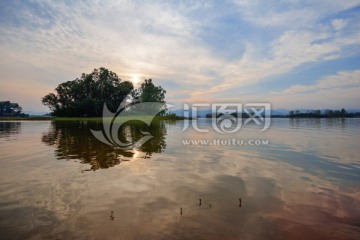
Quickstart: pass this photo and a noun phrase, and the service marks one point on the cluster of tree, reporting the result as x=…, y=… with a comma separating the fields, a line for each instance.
x=85, y=96
x=318, y=114
x=148, y=92
x=8, y=108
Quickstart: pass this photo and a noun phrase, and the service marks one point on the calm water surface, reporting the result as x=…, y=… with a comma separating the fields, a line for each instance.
x=57, y=181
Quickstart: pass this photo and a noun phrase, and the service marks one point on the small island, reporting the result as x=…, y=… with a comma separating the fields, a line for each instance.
x=85, y=97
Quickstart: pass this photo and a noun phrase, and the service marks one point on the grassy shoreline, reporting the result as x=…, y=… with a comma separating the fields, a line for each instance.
x=95, y=119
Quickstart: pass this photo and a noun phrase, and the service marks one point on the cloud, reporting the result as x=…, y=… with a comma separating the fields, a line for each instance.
x=339, y=80
x=206, y=48
x=333, y=91
x=153, y=40
x=327, y=98
x=290, y=50
x=301, y=37
x=339, y=24
x=294, y=14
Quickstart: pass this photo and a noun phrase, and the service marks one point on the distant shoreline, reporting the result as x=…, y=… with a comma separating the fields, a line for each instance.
x=172, y=118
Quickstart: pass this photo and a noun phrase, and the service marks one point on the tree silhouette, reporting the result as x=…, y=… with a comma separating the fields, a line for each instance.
x=85, y=96
x=8, y=108
x=148, y=92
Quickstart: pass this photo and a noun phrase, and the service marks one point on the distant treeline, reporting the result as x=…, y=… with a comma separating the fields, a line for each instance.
x=297, y=114
x=326, y=114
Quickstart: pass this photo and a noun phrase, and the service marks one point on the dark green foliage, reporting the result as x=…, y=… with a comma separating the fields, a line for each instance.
x=8, y=108
x=317, y=114
x=151, y=93
x=148, y=92
x=86, y=96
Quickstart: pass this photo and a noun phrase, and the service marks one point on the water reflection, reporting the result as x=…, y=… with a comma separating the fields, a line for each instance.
x=319, y=123
x=73, y=140
x=303, y=185
x=9, y=128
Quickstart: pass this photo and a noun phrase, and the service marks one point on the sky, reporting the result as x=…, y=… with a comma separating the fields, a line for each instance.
x=292, y=54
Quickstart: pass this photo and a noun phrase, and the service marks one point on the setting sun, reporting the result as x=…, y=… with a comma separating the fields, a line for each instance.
x=135, y=78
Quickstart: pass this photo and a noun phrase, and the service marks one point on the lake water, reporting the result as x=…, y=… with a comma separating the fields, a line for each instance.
x=302, y=182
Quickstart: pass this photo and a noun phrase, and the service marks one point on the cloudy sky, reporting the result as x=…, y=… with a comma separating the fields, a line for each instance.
x=293, y=54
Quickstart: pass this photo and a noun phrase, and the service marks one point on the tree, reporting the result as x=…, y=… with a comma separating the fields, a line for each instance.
x=317, y=112
x=85, y=96
x=8, y=108
x=148, y=92
x=329, y=113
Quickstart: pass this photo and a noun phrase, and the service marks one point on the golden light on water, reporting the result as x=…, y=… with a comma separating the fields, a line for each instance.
x=137, y=154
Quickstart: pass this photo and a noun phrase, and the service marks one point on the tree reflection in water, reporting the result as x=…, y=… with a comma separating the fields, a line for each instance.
x=73, y=140
x=9, y=128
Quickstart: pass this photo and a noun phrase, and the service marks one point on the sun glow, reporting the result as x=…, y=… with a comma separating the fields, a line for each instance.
x=135, y=78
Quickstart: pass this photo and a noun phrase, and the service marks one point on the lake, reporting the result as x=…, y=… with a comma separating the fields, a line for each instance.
x=300, y=179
